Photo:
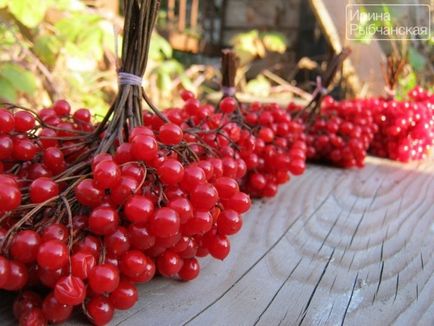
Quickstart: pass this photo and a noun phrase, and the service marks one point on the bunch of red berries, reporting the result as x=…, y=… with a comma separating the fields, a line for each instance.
x=405, y=128
x=340, y=134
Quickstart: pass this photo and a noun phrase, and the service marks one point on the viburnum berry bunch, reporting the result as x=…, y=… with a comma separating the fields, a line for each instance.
x=341, y=134
x=88, y=210
x=405, y=128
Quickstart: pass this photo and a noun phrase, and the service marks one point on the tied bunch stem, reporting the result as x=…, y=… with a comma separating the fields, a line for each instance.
x=323, y=83
x=392, y=71
x=126, y=111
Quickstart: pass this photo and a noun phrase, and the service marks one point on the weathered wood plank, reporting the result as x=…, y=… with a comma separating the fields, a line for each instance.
x=334, y=247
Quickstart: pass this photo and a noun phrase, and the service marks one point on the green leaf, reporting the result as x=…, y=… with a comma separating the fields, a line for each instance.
x=28, y=12
x=260, y=86
x=164, y=82
x=274, y=42
x=47, y=48
x=187, y=83
x=7, y=91
x=3, y=3
x=417, y=60
x=21, y=79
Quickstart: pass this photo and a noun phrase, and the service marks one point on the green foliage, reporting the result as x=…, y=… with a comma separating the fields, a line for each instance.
x=253, y=44
x=16, y=80
x=27, y=12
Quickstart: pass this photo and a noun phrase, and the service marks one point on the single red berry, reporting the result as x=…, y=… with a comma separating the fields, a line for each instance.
x=164, y=223
x=43, y=189
x=239, y=202
x=125, y=296
x=170, y=134
x=81, y=264
x=171, y=171
x=103, y=278
x=24, y=121
x=226, y=187
x=26, y=301
x=87, y=194
x=204, y=197
x=7, y=122
x=100, y=310
x=61, y=107
x=33, y=317
x=138, y=209
x=89, y=244
x=183, y=207
x=54, y=311
x=190, y=269
x=103, y=220
x=126, y=189
x=25, y=245
x=186, y=95
x=144, y=148
x=133, y=263
x=169, y=264
x=228, y=105
x=82, y=116
x=140, y=237
x=6, y=147
x=18, y=276
x=218, y=245
x=70, y=290
x=52, y=254
x=229, y=222
x=24, y=149
x=118, y=242
x=5, y=270
x=106, y=175
x=56, y=231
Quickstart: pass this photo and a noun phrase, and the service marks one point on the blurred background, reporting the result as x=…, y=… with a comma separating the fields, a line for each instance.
x=51, y=49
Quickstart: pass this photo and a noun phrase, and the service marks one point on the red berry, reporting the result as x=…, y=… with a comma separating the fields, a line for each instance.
x=52, y=255
x=10, y=197
x=18, y=276
x=70, y=290
x=183, y=207
x=164, y=223
x=144, y=148
x=7, y=122
x=186, y=95
x=239, y=202
x=25, y=302
x=82, y=116
x=87, y=194
x=125, y=296
x=81, y=264
x=169, y=264
x=133, y=263
x=5, y=270
x=104, y=278
x=138, y=209
x=62, y=107
x=118, y=242
x=204, y=196
x=190, y=269
x=24, y=121
x=24, y=150
x=170, y=134
x=25, y=245
x=140, y=237
x=54, y=311
x=43, y=189
x=106, y=175
x=55, y=231
x=103, y=220
x=6, y=147
x=218, y=245
x=171, y=171
x=100, y=310
x=228, y=105
x=229, y=222
x=33, y=317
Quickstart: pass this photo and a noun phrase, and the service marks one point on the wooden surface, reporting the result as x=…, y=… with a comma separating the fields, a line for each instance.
x=334, y=247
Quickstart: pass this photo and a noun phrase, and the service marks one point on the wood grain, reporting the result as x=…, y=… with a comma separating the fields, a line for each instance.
x=334, y=247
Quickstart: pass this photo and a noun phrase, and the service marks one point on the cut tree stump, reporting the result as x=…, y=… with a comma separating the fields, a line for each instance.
x=333, y=247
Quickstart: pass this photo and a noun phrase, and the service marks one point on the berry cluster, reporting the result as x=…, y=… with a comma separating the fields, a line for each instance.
x=405, y=128
x=340, y=134
x=152, y=206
